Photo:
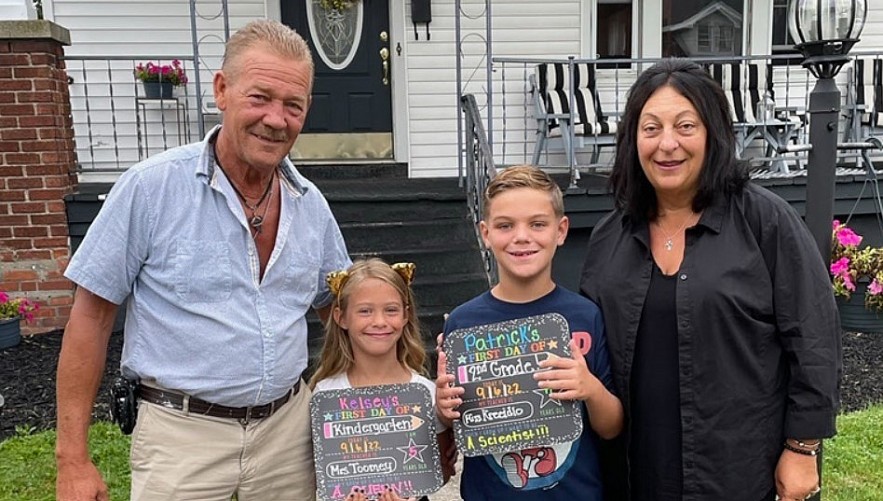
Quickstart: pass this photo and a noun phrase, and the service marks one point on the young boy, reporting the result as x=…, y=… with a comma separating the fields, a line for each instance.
x=523, y=224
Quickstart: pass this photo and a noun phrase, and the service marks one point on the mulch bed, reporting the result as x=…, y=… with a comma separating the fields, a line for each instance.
x=27, y=378
x=27, y=382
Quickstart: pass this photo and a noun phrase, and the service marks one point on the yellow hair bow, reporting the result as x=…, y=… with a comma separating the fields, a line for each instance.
x=337, y=279
x=406, y=270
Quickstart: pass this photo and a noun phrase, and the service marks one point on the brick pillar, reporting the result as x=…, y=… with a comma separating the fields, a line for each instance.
x=37, y=168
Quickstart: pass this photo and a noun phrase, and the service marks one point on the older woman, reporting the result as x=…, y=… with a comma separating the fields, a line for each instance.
x=723, y=332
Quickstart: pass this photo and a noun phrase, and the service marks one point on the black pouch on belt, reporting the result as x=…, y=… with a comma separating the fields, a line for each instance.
x=123, y=405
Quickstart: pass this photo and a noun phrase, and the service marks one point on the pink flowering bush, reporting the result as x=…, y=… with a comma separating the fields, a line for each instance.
x=851, y=265
x=19, y=307
x=161, y=73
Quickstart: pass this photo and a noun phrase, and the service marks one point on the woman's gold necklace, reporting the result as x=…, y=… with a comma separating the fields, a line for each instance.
x=669, y=239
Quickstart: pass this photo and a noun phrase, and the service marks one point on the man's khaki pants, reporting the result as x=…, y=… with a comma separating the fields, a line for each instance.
x=176, y=456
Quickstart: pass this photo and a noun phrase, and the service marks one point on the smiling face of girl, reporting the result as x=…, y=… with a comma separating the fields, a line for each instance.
x=374, y=318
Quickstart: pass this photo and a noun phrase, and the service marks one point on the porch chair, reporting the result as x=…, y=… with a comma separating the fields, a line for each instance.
x=864, y=106
x=864, y=97
x=729, y=77
x=752, y=98
x=550, y=89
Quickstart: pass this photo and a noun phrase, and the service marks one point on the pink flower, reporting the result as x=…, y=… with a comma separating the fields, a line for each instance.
x=848, y=283
x=152, y=72
x=875, y=288
x=846, y=237
x=19, y=307
x=840, y=267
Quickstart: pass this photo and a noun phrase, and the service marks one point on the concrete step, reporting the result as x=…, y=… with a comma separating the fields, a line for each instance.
x=448, y=290
x=442, y=260
x=397, y=210
x=392, y=235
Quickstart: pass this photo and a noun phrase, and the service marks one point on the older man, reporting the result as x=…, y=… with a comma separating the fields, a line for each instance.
x=221, y=247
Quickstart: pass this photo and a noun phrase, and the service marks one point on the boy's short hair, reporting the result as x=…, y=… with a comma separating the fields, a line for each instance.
x=523, y=176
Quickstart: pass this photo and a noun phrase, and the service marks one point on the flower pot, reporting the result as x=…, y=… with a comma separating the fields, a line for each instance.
x=10, y=332
x=854, y=317
x=158, y=90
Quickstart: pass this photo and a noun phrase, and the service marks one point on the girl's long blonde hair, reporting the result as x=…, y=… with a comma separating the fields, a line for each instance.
x=337, y=353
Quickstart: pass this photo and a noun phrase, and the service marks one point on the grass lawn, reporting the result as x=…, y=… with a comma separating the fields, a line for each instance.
x=27, y=463
x=853, y=467
x=853, y=461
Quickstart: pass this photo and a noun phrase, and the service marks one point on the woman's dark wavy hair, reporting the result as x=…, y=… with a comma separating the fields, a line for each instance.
x=722, y=171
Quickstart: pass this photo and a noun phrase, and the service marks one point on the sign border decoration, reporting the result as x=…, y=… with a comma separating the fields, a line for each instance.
x=377, y=406
x=483, y=350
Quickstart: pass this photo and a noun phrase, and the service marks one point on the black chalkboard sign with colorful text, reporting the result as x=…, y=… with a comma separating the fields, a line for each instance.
x=373, y=438
x=503, y=408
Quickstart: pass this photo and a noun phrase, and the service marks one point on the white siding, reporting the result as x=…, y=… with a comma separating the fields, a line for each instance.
x=523, y=28
x=872, y=35
x=141, y=29
x=137, y=31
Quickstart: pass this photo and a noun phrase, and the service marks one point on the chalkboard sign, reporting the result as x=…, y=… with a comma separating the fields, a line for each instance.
x=373, y=438
x=503, y=408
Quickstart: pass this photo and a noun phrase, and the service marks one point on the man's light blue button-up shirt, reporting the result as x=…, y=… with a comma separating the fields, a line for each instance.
x=172, y=238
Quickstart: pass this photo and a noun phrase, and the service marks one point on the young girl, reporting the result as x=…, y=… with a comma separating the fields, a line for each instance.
x=373, y=339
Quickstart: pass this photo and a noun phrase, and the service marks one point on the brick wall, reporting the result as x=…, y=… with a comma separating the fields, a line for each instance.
x=37, y=163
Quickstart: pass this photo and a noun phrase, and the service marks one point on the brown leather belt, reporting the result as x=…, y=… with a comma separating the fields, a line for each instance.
x=176, y=400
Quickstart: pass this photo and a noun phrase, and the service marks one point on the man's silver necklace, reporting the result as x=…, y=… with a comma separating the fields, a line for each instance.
x=669, y=239
x=255, y=221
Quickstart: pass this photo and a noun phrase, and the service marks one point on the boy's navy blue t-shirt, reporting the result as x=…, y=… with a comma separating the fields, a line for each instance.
x=561, y=472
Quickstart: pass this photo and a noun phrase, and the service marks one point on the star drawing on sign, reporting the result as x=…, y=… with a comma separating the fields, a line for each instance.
x=553, y=344
x=416, y=408
x=461, y=359
x=413, y=451
x=328, y=416
x=544, y=398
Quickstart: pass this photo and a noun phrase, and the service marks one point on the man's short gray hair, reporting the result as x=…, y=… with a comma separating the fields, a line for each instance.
x=273, y=35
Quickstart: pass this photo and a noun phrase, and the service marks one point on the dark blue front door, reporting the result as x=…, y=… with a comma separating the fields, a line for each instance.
x=352, y=57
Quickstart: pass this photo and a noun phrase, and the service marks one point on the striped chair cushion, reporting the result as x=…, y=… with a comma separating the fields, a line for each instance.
x=730, y=79
x=869, y=86
x=745, y=88
x=553, y=85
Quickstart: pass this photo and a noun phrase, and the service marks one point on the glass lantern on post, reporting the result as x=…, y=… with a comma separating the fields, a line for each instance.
x=825, y=31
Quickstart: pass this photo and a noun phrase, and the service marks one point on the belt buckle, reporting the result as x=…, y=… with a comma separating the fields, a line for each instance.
x=247, y=418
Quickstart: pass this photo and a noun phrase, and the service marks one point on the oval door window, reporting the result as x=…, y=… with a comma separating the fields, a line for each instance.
x=335, y=33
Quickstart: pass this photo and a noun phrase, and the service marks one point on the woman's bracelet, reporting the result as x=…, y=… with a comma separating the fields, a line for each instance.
x=800, y=447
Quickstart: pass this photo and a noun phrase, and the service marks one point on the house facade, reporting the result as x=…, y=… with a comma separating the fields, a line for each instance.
x=387, y=86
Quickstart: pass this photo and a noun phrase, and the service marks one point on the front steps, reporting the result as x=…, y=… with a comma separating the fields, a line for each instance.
x=424, y=221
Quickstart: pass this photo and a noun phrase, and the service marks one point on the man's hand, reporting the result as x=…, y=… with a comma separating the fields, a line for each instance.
x=797, y=476
x=79, y=481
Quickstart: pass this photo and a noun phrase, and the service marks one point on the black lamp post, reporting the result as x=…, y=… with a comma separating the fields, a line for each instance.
x=825, y=31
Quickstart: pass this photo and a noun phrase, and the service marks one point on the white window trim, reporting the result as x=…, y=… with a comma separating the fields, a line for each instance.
x=589, y=13
x=647, y=33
